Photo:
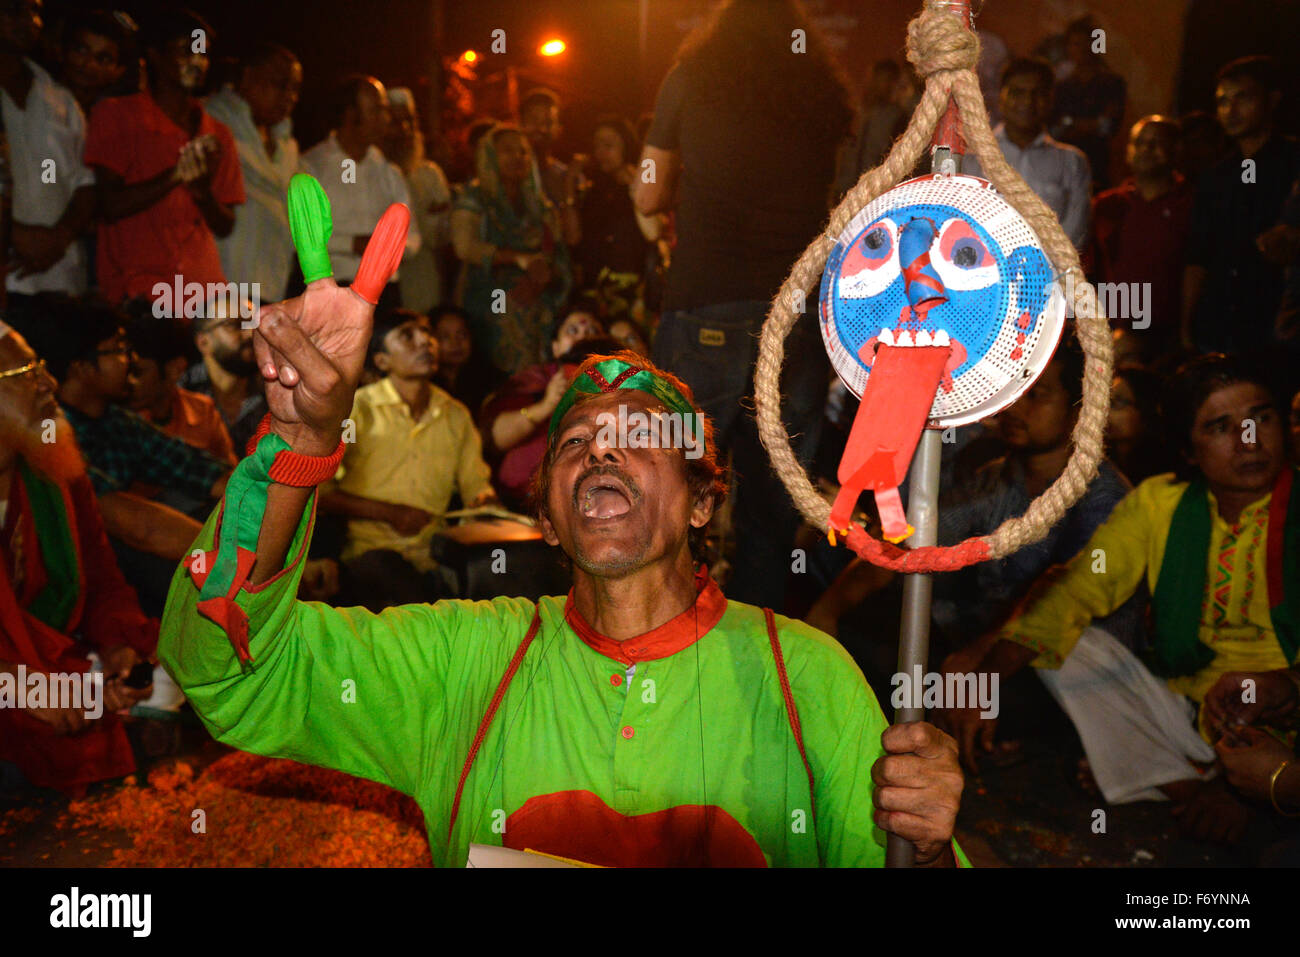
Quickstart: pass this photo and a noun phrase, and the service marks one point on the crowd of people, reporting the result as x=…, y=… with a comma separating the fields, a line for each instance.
x=126, y=399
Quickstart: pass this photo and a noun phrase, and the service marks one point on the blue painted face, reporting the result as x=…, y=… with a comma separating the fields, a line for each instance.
x=932, y=267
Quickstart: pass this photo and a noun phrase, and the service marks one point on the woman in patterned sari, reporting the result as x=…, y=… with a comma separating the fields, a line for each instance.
x=509, y=238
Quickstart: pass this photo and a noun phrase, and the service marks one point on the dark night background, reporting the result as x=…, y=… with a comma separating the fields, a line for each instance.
x=1167, y=50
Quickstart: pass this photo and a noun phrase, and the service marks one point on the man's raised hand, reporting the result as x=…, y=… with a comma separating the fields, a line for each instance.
x=311, y=349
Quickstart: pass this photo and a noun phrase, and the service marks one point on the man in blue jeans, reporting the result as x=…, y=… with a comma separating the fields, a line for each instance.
x=748, y=126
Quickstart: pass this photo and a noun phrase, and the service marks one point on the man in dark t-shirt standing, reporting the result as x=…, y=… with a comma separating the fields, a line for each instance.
x=1231, y=291
x=743, y=144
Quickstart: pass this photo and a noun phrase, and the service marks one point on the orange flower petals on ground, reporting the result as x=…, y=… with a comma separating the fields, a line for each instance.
x=257, y=812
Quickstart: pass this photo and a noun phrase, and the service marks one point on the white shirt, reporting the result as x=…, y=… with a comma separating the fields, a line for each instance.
x=259, y=249
x=1057, y=172
x=421, y=281
x=51, y=127
x=357, y=201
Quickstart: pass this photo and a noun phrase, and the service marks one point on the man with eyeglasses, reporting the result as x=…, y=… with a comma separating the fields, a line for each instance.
x=92, y=360
x=61, y=592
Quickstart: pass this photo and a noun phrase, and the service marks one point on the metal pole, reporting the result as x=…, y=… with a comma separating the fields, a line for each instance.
x=923, y=501
x=914, y=633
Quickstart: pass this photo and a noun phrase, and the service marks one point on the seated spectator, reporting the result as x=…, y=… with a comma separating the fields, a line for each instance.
x=1140, y=233
x=167, y=174
x=1057, y=172
x=403, y=145
x=1232, y=291
x=42, y=126
x=59, y=581
x=1089, y=103
x=164, y=350
x=358, y=180
x=258, y=109
x=94, y=53
x=1135, y=441
x=1036, y=430
x=514, y=264
x=415, y=447
x=462, y=371
x=91, y=358
x=227, y=370
x=1257, y=760
x=514, y=419
x=615, y=240
x=1200, y=541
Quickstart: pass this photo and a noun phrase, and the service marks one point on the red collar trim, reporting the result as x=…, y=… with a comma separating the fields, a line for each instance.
x=669, y=638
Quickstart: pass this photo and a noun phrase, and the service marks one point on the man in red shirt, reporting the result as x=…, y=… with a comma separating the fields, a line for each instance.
x=1139, y=232
x=163, y=349
x=167, y=173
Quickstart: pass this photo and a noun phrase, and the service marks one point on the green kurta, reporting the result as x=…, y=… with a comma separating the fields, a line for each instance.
x=680, y=753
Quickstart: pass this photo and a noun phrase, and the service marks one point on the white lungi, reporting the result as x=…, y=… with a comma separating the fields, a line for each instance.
x=1137, y=733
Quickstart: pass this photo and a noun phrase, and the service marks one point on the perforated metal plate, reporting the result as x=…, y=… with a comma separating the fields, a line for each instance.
x=1004, y=311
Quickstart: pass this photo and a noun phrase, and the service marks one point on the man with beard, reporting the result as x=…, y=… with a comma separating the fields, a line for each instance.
x=225, y=370
x=58, y=580
x=643, y=721
x=167, y=173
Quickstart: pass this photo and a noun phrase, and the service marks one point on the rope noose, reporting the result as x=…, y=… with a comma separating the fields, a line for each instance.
x=944, y=52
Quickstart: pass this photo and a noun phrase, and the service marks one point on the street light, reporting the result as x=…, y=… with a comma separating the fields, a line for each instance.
x=552, y=48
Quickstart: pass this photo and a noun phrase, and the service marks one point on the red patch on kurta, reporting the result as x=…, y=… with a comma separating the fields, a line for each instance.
x=580, y=826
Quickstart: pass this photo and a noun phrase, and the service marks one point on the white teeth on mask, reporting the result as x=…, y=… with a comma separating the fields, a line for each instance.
x=904, y=337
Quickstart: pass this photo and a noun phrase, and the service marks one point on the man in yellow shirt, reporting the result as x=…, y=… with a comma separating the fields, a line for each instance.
x=1217, y=550
x=414, y=445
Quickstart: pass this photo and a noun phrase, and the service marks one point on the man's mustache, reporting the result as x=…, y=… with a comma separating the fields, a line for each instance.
x=628, y=482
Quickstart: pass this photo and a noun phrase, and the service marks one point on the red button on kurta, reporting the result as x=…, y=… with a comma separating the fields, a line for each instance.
x=616, y=680
x=628, y=732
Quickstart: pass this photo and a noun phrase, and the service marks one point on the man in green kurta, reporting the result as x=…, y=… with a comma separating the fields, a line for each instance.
x=641, y=720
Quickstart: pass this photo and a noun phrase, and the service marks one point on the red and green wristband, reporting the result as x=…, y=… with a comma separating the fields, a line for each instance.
x=221, y=574
x=291, y=468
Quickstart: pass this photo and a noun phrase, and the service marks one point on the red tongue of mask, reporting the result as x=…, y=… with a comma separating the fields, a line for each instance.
x=895, y=406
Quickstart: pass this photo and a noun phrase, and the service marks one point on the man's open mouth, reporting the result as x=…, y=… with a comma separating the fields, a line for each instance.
x=603, y=496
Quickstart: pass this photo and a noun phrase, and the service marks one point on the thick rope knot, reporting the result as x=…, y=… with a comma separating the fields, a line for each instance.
x=938, y=41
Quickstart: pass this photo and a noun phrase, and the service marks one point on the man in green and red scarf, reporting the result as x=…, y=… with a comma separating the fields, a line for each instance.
x=61, y=593
x=642, y=720
x=1219, y=547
